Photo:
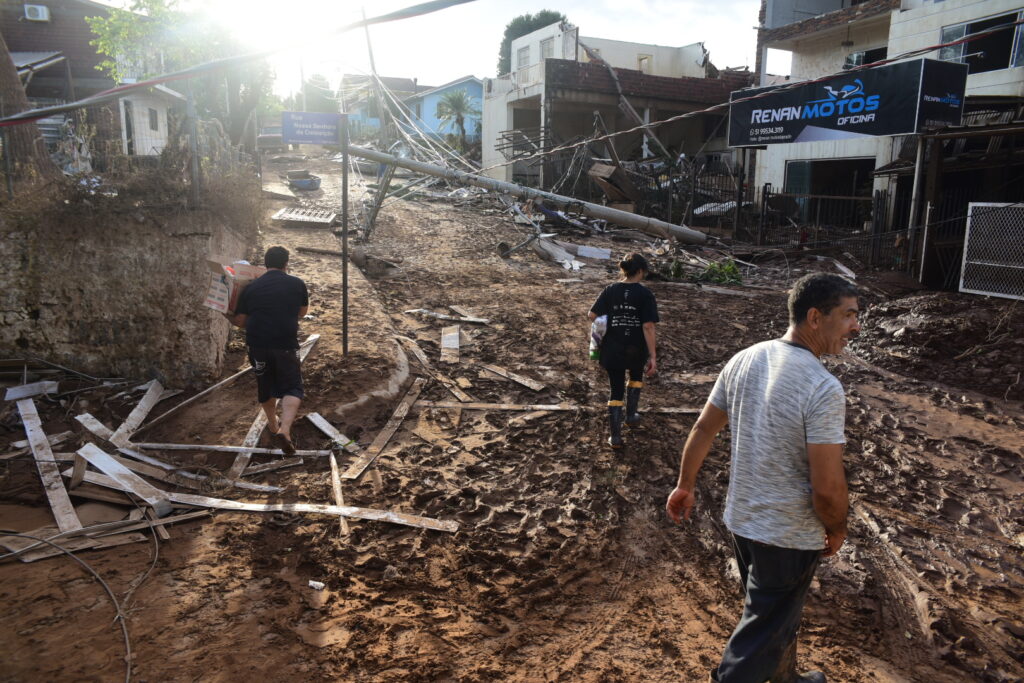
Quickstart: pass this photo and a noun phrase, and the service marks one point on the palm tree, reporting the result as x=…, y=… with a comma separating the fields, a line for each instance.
x=453, y=109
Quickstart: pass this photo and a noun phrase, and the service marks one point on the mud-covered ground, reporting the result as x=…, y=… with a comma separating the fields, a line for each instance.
x=564, y=567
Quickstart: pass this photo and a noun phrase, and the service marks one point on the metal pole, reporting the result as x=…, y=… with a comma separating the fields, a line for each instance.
x=915, y=201
x=193, y=135
x=344, y=234
x=651, y=226
x=7, y=164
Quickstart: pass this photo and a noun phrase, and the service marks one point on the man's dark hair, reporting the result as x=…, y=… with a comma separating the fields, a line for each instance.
x=276, y=257
x=818, y=290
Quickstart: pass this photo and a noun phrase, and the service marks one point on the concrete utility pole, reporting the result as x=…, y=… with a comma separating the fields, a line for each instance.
x=651, y=226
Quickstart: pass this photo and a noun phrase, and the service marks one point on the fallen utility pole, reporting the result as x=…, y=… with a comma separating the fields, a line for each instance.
x=651, y=226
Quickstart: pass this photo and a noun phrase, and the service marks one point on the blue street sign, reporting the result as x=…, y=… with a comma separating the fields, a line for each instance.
x=310, y=128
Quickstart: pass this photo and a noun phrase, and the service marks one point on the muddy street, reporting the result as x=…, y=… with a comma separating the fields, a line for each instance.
x=564, y=566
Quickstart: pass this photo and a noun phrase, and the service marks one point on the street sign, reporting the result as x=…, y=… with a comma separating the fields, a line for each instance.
x=895, y=99
x=315, y=128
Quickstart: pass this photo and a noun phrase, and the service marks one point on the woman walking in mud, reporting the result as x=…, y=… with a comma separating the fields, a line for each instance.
x=628, y=344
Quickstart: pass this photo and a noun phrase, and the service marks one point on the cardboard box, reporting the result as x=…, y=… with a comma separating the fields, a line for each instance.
x=227, y=283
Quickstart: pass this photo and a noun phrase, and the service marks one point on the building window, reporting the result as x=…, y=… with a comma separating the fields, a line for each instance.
x=863, y=57
x=154, y=119
x=643, y=63
x=1000, y=50
x=523, y=57
x=547, y=48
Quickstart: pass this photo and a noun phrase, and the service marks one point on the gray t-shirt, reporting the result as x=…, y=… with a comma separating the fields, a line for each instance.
x=779, y=398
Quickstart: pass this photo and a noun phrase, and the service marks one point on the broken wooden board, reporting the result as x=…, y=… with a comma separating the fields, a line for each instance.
x=465, y=313
x=139, y=412
x=158, y=523
x=445, y=381
x=223, y=449
x=508, y=374
x=317, y=218
x=315, y=508
x=197, y=482
x=370, y=454
x=128, y=480
x=94, y=426
x=49, y=472
x=271, y=466
x=44, y=550
x=260, y=421
x=554, y=407
x=445, y=316
x=53, y=439
x=30, y=390
x=338, y=498
x=337, y=437
x=450, y=344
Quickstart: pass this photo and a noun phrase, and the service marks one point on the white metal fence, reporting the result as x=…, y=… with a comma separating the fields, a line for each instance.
x=994, y=250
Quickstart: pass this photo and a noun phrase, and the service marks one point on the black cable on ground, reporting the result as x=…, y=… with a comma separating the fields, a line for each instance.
x=106, y=587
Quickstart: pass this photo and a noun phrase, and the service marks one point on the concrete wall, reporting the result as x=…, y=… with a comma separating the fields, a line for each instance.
x=147, y=141
x=99, y=291
x=920, y=25
x=664, y=61
x=820, y=55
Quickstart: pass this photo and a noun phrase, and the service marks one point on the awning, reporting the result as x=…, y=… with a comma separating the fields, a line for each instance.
x=30, y=62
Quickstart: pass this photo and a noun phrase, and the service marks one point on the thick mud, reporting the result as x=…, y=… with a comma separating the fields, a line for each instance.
x=564, y=567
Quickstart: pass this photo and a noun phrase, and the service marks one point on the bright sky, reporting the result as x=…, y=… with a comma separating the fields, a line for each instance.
x=464, y=39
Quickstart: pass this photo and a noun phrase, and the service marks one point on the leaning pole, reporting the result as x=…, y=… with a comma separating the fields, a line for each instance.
x=651, y=226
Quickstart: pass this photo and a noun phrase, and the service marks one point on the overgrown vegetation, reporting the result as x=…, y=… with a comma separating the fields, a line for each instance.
x=722, y=273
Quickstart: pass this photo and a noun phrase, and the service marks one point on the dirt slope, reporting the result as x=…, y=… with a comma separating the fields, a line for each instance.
x=564, y=567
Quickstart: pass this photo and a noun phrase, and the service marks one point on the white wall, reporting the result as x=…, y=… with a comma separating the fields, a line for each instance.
x=920, y=25
x=822, y=55
x=497, y=116
x=147, y=141
x=665, y=61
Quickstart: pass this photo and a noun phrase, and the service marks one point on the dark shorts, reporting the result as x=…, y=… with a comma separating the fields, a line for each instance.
x=278, y=373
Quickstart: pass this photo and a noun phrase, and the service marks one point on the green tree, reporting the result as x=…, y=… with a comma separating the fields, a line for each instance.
x=454, y=107
x=319, y=96
x=151, y=37
x=520, y=26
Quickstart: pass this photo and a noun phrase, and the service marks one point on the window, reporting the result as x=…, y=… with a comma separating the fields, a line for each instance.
x=547, y=48
x=1000, y=50
x=523, y=57
x=865, y=57
x=643, y=63
x=154, y=119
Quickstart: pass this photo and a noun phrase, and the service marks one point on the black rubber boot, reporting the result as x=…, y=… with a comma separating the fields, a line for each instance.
x=633, y=403
x=615, y=424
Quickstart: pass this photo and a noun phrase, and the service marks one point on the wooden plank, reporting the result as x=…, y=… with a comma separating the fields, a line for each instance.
x=463, y=312
x=78, y=472
x=445, y=381
x=444, y=316
x=74, y=544
x=508, y=374
x=337, y=437
x=271, y=466
x=195, y=481
x=260, y=421
x=223, y=449
x=313, y=508
x=338, y=499
x=526, y=407
x=138, y=414
x=370, y=454
x=92, y=492
x=450, y=344
x=161, y=532
x=95, y=426
x=49, y=472
x=159, y=523
x=128, y=480
x=53, y=439
x=29, y=390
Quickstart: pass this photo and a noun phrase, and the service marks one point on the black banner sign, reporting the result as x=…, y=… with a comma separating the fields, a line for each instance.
x=896, y=99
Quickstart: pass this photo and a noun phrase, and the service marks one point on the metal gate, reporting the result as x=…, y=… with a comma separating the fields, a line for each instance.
x=994, y=250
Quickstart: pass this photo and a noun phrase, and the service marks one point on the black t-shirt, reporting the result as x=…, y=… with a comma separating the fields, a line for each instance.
x=272, y=302
x=628, y=306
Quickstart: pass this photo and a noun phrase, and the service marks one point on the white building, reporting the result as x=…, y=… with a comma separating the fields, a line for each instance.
x=554, y=90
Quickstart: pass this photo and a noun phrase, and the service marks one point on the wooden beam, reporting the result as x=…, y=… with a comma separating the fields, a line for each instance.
x=78, y=472
x=563, y=407
x=74, y=544
x=159, y=523
x=337, y=437
x=161, y=532
x=260, y=421
x=445, y=316
x=508, y=374
x=338, y=499
x=138, y=414
x=54, y=439
x=450, y=344
x=356, y=469
x=128, y=480
x=223, y=449
x=94, y=426
x=196, y=482
x=30, y=390
x=445, y=381
x=49, y=472
x=313, y=508
x=271, y=466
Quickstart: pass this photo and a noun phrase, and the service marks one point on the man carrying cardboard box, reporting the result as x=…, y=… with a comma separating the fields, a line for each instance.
x=269, y=309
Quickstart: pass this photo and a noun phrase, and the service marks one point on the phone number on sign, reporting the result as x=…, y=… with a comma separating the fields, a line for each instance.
x=765, y=131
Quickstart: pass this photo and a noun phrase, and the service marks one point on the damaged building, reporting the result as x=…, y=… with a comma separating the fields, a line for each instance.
x=923, y=183
x=566, y=87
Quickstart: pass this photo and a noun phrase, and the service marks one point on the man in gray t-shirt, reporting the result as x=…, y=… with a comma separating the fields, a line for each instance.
x=787, y=501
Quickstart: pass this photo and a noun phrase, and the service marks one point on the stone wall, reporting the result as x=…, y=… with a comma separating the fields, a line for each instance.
x=114, y=291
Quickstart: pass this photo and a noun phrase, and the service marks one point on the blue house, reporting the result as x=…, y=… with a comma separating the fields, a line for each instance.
x=423, y=108
x=357, y=92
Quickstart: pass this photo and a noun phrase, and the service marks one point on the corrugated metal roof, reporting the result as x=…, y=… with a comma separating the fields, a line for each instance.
x=24, y=60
